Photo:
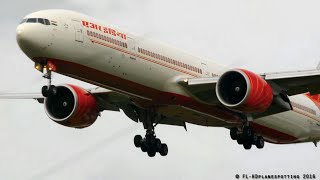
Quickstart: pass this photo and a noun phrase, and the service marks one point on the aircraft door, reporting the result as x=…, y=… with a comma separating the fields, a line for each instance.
x=132, y=47
x=205, y=69
x=78, y=31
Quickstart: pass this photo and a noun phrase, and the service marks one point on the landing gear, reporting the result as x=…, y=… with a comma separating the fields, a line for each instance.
x=150, y=143
x=49, y=90
x=247, y=137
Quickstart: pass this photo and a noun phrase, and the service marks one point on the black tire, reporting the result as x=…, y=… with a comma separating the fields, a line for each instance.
x=260, y=142
x=247, y=133
x=254, y=138
x=151, y=153
x=157, y=144
x=240, y=141
x=52, y=90
x=247, y=146
x=164, y=150
x=137, y=141
x=144, y=148
x=44, y=91
x=234, y=133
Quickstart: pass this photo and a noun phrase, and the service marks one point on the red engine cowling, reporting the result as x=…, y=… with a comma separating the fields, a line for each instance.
x=72, y=106
x=244, y=91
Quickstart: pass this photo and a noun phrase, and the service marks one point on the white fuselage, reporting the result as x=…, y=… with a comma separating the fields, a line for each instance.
x=86, y=49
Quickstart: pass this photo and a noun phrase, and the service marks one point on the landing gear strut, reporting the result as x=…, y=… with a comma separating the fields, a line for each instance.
x=150, y=143
x=247, y=137
x=49, y=90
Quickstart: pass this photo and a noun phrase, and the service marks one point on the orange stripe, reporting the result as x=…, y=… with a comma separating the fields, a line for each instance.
x=142, y=57
x=307, y=115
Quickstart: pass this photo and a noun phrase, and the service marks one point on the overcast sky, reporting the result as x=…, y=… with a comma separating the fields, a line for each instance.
x=263, y=36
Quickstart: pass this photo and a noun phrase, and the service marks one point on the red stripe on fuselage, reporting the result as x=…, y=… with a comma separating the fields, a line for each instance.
x=144, y=58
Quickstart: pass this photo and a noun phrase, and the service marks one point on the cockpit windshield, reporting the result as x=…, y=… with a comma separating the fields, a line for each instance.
x=36, y=20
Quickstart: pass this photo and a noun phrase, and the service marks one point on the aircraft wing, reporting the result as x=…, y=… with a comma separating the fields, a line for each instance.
x=282, y=83
x=106, y=100
x=295, y=82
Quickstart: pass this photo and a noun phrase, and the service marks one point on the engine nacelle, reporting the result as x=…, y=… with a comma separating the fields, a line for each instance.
x=244, y=91
x=72, y=106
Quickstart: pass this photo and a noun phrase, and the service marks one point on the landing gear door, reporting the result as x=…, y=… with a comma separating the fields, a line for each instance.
x=78, y=31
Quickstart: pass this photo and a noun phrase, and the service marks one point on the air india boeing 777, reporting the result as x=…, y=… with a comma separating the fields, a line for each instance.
x=153, y=83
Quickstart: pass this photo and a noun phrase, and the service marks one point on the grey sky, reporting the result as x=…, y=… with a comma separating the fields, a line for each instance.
x=263, y=36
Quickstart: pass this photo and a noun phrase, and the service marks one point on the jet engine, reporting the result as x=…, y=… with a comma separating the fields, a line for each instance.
x=72, y=106
x=244, y=91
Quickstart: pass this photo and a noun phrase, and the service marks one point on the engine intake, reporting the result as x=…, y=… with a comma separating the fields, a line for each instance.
x=72, y=106
x=244, y=91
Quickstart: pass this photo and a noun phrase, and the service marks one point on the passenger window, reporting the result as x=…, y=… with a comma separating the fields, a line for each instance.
x=47, y=22
x=40, y=20
x=32, y=20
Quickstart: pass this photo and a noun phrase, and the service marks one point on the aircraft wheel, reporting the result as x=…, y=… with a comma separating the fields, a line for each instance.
x=247, y=145
x=164, y=150
x=234, y=133
x=240, y=141
x=44, y=91
x=157, y=144
x=143, y=148
x=151, y=152
x=137, y=141
x=52, y=91
x=247, y=133
x=260, y=142
x=254, y=138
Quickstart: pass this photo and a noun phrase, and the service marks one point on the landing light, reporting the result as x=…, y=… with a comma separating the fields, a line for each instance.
x=186, y=80
x=38, y=66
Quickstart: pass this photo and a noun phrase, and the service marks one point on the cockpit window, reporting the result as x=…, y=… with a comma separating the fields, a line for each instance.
x=36, y=20
x=32, y=20
x=47, y=22
x=40, y=20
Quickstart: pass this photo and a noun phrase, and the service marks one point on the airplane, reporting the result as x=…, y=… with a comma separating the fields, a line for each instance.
x=153, y=83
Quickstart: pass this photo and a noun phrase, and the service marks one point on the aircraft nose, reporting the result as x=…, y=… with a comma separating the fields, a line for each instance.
x=30, y=39
x=24, y=38
x=19, y=34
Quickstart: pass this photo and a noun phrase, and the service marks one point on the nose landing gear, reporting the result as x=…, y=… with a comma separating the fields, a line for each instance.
x=49, y=90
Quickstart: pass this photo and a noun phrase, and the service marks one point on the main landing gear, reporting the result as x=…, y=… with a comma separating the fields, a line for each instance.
x=150, y=143
x=247, y=137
